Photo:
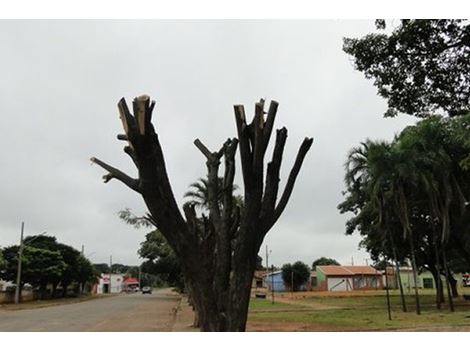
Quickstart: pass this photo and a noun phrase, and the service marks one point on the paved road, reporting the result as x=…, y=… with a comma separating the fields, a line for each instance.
x=126, y=312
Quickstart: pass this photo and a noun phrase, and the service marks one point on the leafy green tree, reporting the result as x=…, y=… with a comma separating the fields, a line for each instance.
x=418, y=183
x=199, y=194
x=2, y=262
x=69, y=255
x=297, y=274
x=161, y=260
x=101, y=268
x=86, y=273
x=39, y=266
x=421, y=67
x=324, y=261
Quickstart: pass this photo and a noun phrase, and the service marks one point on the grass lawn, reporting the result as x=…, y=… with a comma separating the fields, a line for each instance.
x=366, y=313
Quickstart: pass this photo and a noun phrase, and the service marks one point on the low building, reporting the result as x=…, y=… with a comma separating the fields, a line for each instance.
x=347, y=278
x=110, y=283
x=258, y=279
x=131, y=284
x=274, y=282
x=425, y=278
x=5, y=284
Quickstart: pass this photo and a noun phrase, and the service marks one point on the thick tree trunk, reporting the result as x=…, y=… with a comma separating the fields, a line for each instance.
x=446, y=270
x=453, y=286
x=389, y=310
x=437, y=273
x=400, y=286
x=415, y=272
x=439, y=288
x=397, y=266
x=218, y=253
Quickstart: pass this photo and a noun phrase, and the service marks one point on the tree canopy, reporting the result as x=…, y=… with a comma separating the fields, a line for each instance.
x=296, y=274
x=409, y=196
x=46, y=261
x=2, y=262
x=421, y=67
x=160, y=260
x=324, y=261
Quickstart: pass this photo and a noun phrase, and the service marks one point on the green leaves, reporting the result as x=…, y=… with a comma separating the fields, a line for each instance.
x=415, y=183
x=296, y=274
x=420, y=68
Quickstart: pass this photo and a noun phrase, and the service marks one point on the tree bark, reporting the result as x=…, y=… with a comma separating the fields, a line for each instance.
x=217, y=253
x=397, y=266
x=415, y=272
x=437, y=274
x=439, y=288
x=446, y=270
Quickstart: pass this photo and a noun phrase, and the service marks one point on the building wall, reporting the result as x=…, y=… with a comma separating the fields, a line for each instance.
x=339, y=283
x=115, y=285
x=320, y=277
x=279, y=283
x=27, y=294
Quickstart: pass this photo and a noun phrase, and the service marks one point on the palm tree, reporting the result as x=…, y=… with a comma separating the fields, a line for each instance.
x=371, y=165
x=199, y=194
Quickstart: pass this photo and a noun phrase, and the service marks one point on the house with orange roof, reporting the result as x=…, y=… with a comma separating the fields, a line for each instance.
x=347, y=278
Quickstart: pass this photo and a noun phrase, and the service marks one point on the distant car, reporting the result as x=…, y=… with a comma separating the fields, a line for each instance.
x=146, y=289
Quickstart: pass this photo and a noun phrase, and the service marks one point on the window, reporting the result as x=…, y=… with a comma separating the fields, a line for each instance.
x=427, y=282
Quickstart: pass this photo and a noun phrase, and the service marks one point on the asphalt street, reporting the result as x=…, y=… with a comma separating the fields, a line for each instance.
x=124, y=312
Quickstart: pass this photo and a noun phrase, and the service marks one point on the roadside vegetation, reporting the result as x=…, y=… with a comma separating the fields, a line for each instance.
x=53, y=269
x=368, y=312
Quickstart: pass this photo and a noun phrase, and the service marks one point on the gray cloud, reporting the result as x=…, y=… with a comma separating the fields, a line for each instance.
x=61, y=81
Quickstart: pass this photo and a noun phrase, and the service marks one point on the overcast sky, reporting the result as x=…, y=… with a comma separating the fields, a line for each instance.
x=60, y=83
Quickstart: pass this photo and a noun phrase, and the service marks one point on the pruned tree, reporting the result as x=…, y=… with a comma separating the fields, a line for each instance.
x=218, y=251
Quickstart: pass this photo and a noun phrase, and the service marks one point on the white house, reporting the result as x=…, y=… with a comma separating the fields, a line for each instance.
x=110, y=285
x=5, y=284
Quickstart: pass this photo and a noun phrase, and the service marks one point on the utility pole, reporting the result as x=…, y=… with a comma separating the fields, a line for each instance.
x=292, y=283
x=387, y=292
x=267, y=263
x=272, y=283
x=110, y=271
x=18, y=273
x=83, y=250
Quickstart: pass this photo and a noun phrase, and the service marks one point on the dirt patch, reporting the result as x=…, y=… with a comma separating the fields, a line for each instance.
x=291, y=327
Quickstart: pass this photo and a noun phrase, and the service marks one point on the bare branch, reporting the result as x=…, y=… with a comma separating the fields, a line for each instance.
x=141, y=107
x=272, y=175
x=304, y=148
x=117, y=174
x=268, y=126
x=230, y=148
x=127, y=119
x=258, y=142
x=245, y=152
x=203, y=149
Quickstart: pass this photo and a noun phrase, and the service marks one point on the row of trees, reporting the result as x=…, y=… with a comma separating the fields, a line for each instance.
x=409, y=198
x=47, y=263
